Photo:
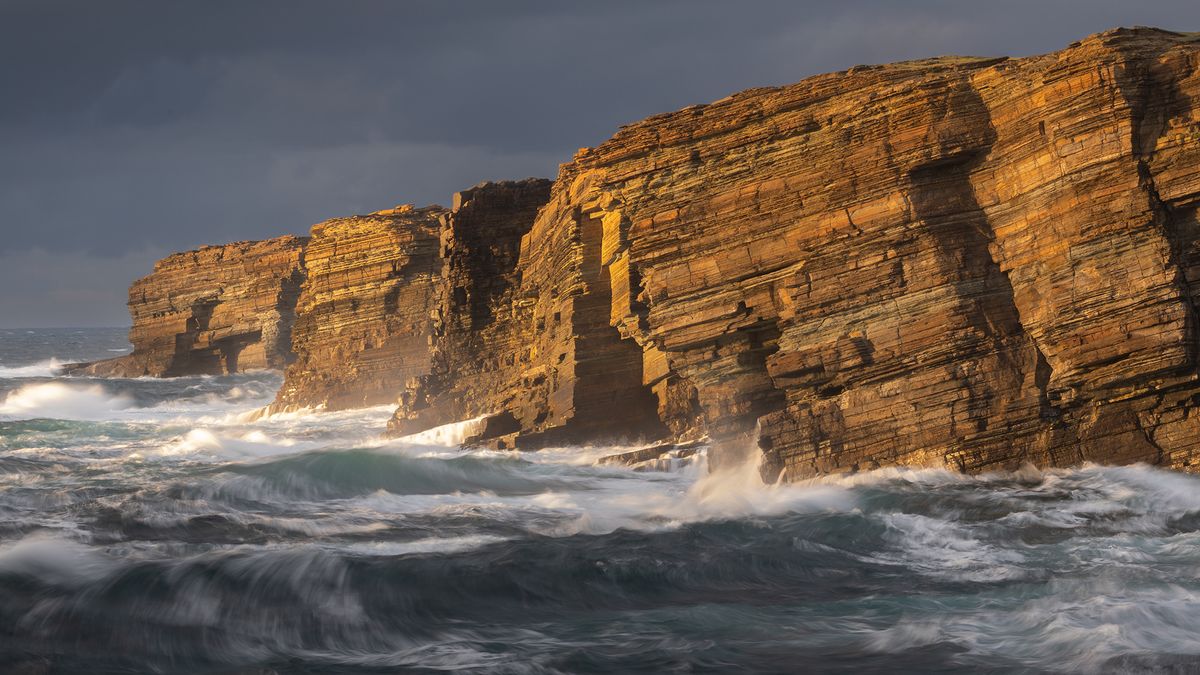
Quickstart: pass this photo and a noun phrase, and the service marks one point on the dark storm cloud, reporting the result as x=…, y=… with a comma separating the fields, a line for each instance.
x=135, y=127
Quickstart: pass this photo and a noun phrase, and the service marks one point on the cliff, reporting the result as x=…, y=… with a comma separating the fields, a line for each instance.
x=958, y=262
x=363, y=320
x=517, y=340
x=482, y=327
x=211, y=311
x=961, y=262
x=970, y=263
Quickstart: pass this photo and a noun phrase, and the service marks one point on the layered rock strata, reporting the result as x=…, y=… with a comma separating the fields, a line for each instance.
x=363, y=321
x=211, y=311
x=523, y=337
x=970, y=263
x=959, y=262
x=482, y=326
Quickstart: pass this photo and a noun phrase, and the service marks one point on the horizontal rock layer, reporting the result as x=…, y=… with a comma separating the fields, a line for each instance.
x=363, y=319
x=211, y=311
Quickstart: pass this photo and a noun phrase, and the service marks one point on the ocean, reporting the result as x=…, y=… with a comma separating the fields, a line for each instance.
x=150, y=526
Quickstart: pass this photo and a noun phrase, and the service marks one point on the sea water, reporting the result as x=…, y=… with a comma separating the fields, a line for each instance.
x=158, y=526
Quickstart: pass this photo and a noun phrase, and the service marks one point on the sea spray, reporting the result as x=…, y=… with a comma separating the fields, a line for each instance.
x=446, y=435
x=58, y=400
x=46, y=368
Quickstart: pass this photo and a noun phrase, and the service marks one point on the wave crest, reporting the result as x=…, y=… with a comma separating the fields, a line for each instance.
x=47, y=368
x=56, y=400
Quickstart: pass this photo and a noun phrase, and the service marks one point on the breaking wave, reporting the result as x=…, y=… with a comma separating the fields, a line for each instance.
x=57, y=400
x=46, y=368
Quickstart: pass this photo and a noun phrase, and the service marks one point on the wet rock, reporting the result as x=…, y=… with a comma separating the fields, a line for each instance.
x=657, y=457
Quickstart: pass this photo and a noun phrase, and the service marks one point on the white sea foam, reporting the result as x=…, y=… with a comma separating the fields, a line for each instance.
x=948, y=550
x=56, y=400
x=447, y=435
x=420, y=546
x=46, y=368
x=597, y=500
x=213, y=445
x=50, y=558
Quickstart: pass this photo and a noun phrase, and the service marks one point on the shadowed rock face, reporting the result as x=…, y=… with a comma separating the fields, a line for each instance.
x=481, y=330
x=523, y=335
x=363, y=324
x=959, y=262
x=211, y=311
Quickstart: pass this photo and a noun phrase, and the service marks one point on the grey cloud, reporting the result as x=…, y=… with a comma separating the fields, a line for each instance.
x=68, y=288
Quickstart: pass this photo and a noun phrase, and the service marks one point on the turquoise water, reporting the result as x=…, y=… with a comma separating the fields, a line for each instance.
x=151, y=526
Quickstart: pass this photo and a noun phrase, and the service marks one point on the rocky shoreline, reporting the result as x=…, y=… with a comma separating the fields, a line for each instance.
x=959, y=262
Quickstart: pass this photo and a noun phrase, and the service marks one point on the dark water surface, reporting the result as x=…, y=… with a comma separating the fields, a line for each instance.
x=145, y=526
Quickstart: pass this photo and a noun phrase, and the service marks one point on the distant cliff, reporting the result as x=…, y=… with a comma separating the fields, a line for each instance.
x=961, y=262
x=211, y=311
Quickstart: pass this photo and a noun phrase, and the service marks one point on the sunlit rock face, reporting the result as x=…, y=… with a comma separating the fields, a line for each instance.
x=211, y=311
x=363, y=320
x=963, y=262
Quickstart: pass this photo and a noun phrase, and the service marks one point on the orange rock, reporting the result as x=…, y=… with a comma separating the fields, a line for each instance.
x=211, y=311
x=362, y=321
x=959, y=262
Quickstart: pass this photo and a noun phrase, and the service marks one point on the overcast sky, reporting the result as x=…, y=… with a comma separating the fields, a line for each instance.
x=132, y=129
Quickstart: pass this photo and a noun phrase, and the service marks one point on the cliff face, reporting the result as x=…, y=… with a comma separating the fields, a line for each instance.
x=960, y=262
x=970, y=263
x=214, y=310
x=519, y=340
x=481, y=326
x=363, y=321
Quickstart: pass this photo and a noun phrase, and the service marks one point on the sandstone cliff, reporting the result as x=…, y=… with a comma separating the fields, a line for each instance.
x=523, y=337
x=214, y=310
x=363, y=320
x=962, y=262
x=482, y=329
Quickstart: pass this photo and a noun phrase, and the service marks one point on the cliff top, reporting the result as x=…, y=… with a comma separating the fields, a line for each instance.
x=239, y=247
x=403, y=213
x=696, y=121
